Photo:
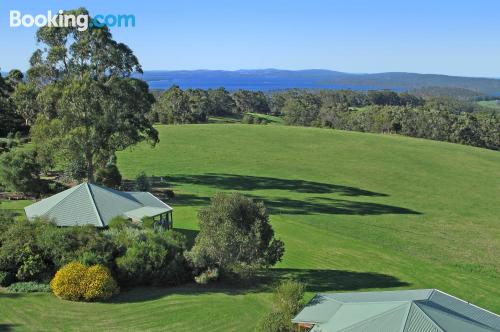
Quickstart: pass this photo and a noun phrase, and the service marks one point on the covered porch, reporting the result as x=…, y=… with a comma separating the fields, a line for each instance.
x=162, y=217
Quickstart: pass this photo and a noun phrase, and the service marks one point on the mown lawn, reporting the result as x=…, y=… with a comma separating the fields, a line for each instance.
x=356, y=211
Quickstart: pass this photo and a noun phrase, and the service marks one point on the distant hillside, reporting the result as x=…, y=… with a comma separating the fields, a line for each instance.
x=274, y=79
x=457, y=93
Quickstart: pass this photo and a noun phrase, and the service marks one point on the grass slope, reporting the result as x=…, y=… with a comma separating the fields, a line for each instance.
x=356, y=211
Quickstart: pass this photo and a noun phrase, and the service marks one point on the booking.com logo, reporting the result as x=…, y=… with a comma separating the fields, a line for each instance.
x=81, y=21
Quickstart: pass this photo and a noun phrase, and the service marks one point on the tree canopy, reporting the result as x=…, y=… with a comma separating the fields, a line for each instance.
x=82, y=98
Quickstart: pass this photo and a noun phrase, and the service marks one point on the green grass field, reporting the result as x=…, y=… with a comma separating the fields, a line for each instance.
x=356, y=212
x=493, y=104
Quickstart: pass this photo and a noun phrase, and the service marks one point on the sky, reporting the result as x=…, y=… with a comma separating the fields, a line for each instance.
x=359, y=36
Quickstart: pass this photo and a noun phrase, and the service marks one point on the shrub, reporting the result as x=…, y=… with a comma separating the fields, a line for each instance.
x=148, y=222
x=32, y=265
x=28, y=287
x=235, y=234
x=274, y=322
x=6, y=278
x=109, y=176
x=151, y=257
x=76, y=282
x=287, y=301
x=142, y=182
x=99, y=284
x=19, y=171
x=67, y=283
x=120, y=222
x=19, y=252
x=207, y=276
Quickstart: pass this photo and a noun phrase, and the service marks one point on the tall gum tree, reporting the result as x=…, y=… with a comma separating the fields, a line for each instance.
x=84, y=88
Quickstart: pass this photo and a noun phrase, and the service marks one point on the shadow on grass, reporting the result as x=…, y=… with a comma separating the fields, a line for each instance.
x=330, y=206
x=284, y=205
x=315, y=280
x=248, y=183
x=332, y=280
x=190, y=200
x=5, y=295
x=308, y=206
x=7, y=327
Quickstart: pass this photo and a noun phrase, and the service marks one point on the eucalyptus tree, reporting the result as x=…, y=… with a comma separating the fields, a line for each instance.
x=88, y=104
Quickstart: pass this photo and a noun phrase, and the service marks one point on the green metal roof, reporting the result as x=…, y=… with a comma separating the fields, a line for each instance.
x=426, y=310
x=146, y=211
x=90, y=204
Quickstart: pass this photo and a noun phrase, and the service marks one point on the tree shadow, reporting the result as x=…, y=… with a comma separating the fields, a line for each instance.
x=9, y=295
x=190, y=200
x=315, y=281
x=333, y=280
x=249, y=183
x=322, y=205
x=7, y=327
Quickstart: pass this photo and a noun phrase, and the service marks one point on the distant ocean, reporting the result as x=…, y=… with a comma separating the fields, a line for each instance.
x=248, y=80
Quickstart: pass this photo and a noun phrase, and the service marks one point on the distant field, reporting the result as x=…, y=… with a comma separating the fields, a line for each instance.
x=493, y=104
x=14, y=205
x=271, y=118
x=356, y=212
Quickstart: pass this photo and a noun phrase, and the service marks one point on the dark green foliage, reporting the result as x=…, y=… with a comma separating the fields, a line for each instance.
x=9, y=119
x=175, y=106
x=221, y=102
x=142, y=182
x=75, y=168
x=148, y=257
x=437, y=118
x=287, y=301
x=34, y=251
x=109, y=176
x=120, y=222
x=296, y=112
x=19, y=171
x=32, y=265
x=6, y=278
x=29, y=287
x=251, y=102
x=235, y=236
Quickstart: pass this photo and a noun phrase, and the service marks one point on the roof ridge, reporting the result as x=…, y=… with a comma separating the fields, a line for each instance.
x=92, y=199
x=75, y=188
x=118, y=193
x=425, y=314
x=406, y=317
x=468, y=303
x=458, y=315
x=159, y=200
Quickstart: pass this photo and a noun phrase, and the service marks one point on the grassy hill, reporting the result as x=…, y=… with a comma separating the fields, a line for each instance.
x=491, y=104
x=356, y=212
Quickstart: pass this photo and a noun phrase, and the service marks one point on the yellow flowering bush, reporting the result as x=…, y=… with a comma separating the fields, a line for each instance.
x=76, y=282
x=67, y=283
x=99, y=284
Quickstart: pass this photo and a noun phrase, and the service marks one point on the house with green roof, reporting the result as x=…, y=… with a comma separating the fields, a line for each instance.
x=424, y=310
x=90, y=204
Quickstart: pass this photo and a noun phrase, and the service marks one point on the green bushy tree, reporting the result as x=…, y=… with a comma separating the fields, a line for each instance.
x=235, y=234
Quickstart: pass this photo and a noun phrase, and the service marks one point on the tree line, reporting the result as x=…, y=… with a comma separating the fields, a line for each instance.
x=437, y=118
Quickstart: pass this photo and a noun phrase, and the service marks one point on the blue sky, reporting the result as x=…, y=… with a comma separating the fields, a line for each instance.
x=446, y=37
